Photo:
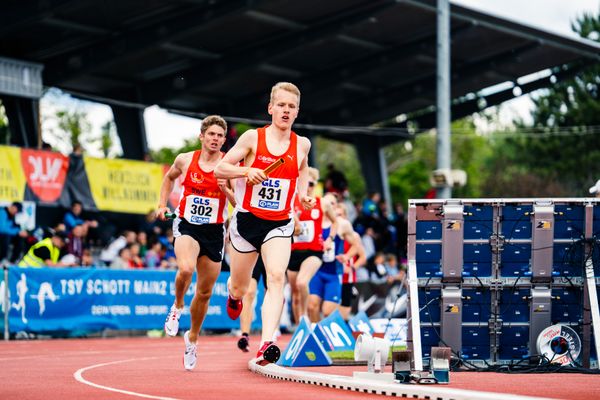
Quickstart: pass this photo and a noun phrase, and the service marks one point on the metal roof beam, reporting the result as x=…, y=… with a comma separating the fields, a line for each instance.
x=255, y=52
x=423, y=87
x=347, y=72
x=75, y=64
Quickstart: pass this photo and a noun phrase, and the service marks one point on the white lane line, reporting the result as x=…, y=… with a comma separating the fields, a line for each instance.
x=79, y=377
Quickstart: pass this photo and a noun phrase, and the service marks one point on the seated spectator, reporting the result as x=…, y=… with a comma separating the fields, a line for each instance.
x=370, y=205
x=136, y=261
x=378, y=270
x=368, y=242
x=394, y=272
x=86, y=259
x=154, y=256
x=10, y=232
x=122, y=260
x=74, y=217
x=76, y=243
x=142, y=239
x=151, y=225
x=45, y=253
x=111, y=252
x=335, y=180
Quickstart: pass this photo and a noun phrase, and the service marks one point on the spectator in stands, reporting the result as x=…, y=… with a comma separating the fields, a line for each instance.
x=401, y=230
x=136, y=261
x=153, y=258
x=142, y=239
x=76, y=242
x=10, y=232
x=111, y=252
x=370, y=205
x=368, y=242
x=378, y=270
x=74, y=217
x=595, y=190
x=335, y=181
x=123, y=259
x=86, y=258
x=394, y=272
x=45, y=253
x=151, y=225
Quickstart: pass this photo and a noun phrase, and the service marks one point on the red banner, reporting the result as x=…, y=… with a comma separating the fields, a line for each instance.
x=45, y=172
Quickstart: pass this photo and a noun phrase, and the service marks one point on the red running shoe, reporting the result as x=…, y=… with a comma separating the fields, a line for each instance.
x=234, y=307
x=268, y=353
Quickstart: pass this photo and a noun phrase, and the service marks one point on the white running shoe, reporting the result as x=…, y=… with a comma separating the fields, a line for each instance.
x=172, y=321
x=189, y=357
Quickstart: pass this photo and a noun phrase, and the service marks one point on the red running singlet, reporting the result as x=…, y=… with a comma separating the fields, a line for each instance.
x=311, y=221
x=272, y=198
x=202, y=201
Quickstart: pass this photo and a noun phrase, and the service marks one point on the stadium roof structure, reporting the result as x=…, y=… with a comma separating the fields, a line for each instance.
x=357, y=62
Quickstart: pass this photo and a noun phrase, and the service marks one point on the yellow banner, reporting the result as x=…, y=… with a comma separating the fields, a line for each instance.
x=12, y=179
x=124, y=185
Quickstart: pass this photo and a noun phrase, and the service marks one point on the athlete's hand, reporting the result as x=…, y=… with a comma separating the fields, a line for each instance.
x=342, y=258
x=255, y=176
x=308, y=202
x=222, y=182
x=328, y=243
x=160, y=213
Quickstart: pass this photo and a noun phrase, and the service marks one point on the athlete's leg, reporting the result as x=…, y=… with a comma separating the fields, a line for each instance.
x=186, y=253
x=208, y=272
x=308, y=268
x=241, y=272
x=276, y=256
x=314, y=308
x=328, y=307
x=296, y=309
x=248, y=310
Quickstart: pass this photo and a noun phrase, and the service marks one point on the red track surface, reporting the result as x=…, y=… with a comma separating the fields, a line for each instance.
x=45, y=369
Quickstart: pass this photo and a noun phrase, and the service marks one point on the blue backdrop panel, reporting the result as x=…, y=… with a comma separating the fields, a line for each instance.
x=429, y=230
x=76, y=299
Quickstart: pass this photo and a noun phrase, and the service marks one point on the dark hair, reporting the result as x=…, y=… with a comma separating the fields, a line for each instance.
x=18, y=206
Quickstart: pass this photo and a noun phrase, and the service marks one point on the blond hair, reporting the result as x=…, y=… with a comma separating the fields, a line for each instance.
x=288, y=87
x=313, y=173
x=211, y=120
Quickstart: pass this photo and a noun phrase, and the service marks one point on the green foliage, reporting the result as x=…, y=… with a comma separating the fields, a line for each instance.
x=563, y=147
x=409, y=165
x=73, y=127
x=345, y=159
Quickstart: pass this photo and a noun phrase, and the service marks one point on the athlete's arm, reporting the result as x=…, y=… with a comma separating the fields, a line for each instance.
x=307, y=201
x=167, y=185
x=357, y=249
x=346, y=232
x=331, y=215
x=225, y=186
x=228, y=167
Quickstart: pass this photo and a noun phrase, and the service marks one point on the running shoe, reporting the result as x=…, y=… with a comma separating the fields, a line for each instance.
x=234, y=307
x=172, y=321
x=189, y=357
x=268, y=353
x=244, y=343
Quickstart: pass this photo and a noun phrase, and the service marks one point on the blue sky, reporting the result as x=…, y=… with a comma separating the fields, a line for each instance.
x=167, y=130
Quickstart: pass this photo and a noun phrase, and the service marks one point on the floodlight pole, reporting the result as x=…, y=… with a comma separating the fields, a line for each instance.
x=443, y=92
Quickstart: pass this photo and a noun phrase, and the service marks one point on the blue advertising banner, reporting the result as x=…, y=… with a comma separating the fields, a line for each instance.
x=84, y=299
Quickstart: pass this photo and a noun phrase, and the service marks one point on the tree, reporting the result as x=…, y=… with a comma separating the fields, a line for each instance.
x=410, y=164
x=73, y=127
x=562, y=146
